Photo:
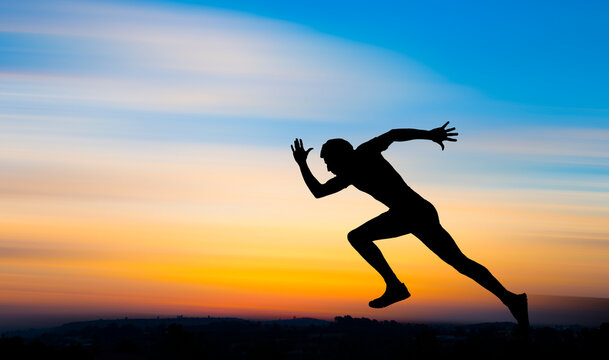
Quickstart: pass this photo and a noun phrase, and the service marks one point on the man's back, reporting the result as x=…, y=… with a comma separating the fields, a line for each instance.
x=371, y=173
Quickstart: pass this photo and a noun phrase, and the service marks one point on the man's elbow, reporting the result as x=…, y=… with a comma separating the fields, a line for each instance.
x=318, y=195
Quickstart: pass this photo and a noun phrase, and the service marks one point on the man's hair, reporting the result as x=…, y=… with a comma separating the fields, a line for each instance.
x=335, y=147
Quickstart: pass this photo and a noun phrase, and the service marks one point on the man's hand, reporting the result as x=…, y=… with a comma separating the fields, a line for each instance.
x=440, y=134
x=300, y=154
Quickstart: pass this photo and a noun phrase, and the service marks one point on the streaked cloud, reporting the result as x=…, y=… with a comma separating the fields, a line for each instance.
x=209, y=62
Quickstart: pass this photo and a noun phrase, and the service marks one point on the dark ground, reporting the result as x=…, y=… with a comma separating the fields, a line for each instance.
x=344, y=338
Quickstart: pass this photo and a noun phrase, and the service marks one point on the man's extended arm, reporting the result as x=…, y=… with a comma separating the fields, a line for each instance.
x=437, y=135
x=317, y=189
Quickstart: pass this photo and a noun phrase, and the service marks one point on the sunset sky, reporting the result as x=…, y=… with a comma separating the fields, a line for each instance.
x=146, y=167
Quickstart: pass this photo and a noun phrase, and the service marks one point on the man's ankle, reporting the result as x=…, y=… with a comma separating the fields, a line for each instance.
x=393, y=284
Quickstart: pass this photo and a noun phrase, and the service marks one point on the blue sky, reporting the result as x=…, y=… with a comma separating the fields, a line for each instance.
x=262, y=73
x=543, y=53
x=506, y=64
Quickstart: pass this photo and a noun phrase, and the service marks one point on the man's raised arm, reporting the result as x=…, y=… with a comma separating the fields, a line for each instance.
x=437, y=135
x=317, y=189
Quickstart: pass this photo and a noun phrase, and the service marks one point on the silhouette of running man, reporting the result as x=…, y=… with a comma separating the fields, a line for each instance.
x=367, y=170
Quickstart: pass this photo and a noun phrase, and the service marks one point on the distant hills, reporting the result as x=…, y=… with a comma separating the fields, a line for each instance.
x=299, y=338
x=164, y=321
x=544, y=310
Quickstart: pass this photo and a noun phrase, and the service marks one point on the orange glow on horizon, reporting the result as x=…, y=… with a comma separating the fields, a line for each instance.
x=258, y=253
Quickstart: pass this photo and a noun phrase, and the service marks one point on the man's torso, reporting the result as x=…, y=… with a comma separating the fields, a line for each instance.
x=372, y=174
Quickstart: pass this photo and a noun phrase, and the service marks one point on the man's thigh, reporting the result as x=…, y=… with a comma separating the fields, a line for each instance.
x=440, y=242
x=387, y=225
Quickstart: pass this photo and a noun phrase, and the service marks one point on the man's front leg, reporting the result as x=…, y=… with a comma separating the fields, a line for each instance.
x=395, y=290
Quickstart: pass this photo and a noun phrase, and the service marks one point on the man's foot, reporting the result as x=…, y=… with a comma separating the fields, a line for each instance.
x=519, y=308
x=392, y=295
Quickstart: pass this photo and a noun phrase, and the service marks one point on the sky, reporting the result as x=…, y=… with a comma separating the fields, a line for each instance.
x=146, y=167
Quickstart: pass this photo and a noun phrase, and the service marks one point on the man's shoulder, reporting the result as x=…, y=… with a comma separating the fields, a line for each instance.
x=367, y=151
x=375, y=145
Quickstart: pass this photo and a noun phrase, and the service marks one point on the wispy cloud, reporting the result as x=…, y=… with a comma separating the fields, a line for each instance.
x=209, y=62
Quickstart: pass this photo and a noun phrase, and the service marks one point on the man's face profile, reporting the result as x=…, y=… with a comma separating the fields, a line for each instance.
x=337, y=163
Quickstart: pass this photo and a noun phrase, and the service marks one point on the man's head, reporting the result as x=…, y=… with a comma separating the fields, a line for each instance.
x=336, y=154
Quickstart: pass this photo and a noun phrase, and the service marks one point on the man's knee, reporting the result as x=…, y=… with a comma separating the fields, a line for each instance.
x=355, y=238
